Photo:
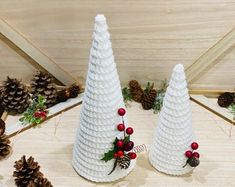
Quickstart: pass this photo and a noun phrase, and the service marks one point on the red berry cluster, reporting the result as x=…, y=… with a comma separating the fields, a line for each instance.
x=40, y=115
x=122, y=145
x=193, y=157
x=190, y=153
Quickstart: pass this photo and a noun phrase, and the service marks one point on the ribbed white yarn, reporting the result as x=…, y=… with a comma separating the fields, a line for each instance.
x=174, y=133
x=99, y=118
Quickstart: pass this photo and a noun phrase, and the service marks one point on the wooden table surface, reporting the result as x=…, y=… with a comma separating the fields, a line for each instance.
x=51, y=145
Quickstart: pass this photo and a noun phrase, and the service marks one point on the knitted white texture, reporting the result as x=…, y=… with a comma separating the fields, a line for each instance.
x=174, y=133
x=99, y=117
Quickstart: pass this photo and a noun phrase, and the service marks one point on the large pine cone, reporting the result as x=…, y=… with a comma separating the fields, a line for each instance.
x=1, y=106
x=2, y=127
x=136, y=90
x=42, y=84
x=148, y=99
x=124, y=162
x=62, y=95
x=226, y=99
x=5, y=147
x=40, y=182
x=26, y=172
x=15, y=96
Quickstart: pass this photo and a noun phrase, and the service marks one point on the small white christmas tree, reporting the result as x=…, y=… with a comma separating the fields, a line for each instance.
x=99, y=114
x=174, y=133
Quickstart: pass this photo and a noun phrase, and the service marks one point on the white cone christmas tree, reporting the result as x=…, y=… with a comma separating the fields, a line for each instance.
x=99, y=117
x=174, y=133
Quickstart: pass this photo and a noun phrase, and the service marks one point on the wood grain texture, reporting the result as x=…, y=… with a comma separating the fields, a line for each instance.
x=211, y=56
x=33, y=52
x=149, y=37
x=51, y=145
x=13, y=65
x=211, y=105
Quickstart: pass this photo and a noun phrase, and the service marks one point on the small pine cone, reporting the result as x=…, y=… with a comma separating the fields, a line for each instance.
x=226, y=99
x=136, y=90
x=26, y=171
x=15, y=96
x=134, y=84
x=74, y=90
x=62, y=96
x=42, y=84
x=137, y=95
x=148, y=99
x=2, y=127
x=40, y=182
x=124, y=162
x=5, y=147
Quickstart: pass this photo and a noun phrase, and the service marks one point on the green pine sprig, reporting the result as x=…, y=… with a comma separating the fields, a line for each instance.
x=109, y=155
x=149, y=87
x=37, y=105
x=232, y=110
x=126, y=94
x=160, y=96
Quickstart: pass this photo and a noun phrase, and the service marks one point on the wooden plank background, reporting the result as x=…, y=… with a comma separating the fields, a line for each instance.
x=149, y=36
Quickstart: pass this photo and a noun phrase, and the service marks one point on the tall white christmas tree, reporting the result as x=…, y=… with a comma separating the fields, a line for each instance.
x=174, y=133
x=99, y=114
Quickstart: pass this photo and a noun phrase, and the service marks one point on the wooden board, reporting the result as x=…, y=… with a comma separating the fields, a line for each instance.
x=14, y=126
x=212, y=106
x=210, y=57
x=35, y=53
x=54, y=151
x=149, y=37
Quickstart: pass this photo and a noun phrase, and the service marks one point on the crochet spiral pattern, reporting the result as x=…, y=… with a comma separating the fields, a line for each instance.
x=174, y=133
x=99, y=117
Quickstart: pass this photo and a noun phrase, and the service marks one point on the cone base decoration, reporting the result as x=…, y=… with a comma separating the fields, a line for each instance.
x=167, y=169
x=174, y=134
x=94, y=149
x=96, y=176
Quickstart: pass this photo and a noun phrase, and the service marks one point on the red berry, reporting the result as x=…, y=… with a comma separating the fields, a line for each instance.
x=115, y=155
x=132, y=155
x=120, y=153
x=37, y=114
x=129, y=130
x=188, y=154
x=120, y=144
x=129, y=146
x=194, y=145
x=43, y=113
x=121, y=127
x=196, y=154
x=121, y=111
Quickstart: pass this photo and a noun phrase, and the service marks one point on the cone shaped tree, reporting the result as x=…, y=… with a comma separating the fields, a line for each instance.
x=99, y=117
x=174, y=133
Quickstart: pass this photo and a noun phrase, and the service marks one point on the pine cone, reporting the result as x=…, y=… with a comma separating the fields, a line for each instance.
x=27, y=171
x=5, y=148
x=148, y=98
x=42, y=84
x=2, y=127
x=62, y=96
x=15, y=96
x=226, y=99
x=124, y=162
x=40, y=182
x=74, y=90
x=136, y=90
x=1, y=106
